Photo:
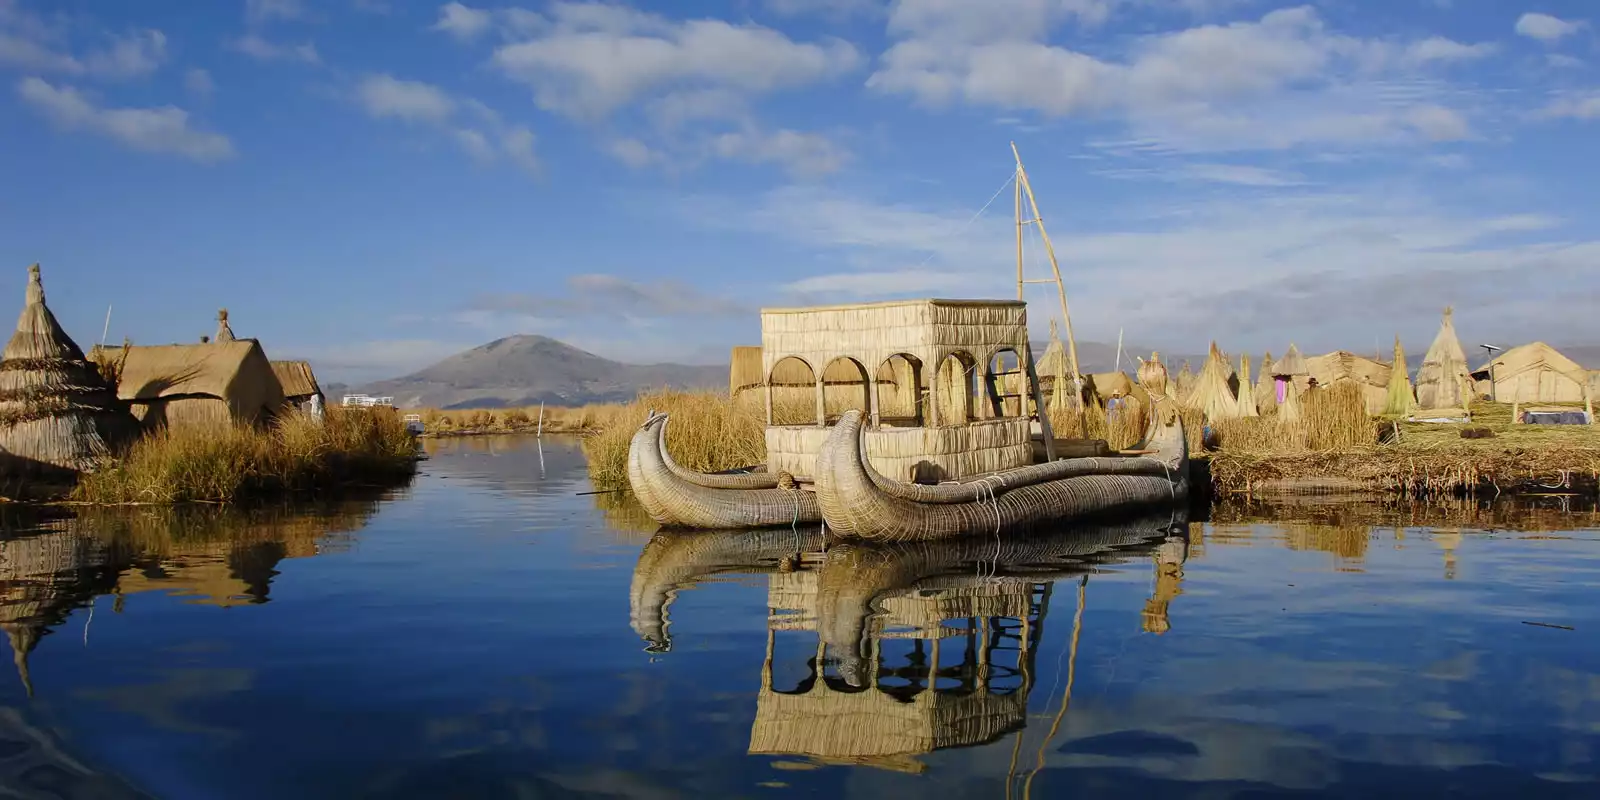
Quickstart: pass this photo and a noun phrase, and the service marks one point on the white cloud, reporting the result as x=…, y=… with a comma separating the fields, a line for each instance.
x=258, y=11
x=800, y=153
x=1546, y=28
x=1385, y=256
x=34, y=43
x=463, y=22
x=1574, y=105
x=1563, y=61
x=198, y=82
x=634, y=152
x=592, y=59
x=834, y=9
x=387, y=96
x=164, y=129
x=477, y=129
x=261, y=49
x=1284, y=80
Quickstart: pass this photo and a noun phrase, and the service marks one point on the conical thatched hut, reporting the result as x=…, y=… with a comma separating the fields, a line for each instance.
x=1443, y=381
x=1266, y=393
x=1247, y=392
x=1183, y=384
x=1399, y=399
x=1289, y=374
x=57, y=413
x=1211, y=394
x=224, y=333
x=1342, y=366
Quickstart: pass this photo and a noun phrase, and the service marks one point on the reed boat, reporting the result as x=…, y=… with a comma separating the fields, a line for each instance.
x=859, y=503
x=931, y=406
x=681, y=498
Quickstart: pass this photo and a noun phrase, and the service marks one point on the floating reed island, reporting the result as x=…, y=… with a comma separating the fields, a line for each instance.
x=1331, y=423
x=210, y=422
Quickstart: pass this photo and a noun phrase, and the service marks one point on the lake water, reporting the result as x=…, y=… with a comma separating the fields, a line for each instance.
x=490, y=633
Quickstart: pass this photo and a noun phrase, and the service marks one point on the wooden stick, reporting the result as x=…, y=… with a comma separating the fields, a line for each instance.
x=1055, y=267
x=540, y=434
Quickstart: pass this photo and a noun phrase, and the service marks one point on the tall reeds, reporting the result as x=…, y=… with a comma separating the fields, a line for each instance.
x=705, y=433
x=1325, y=418
x=228, y=463
x=1399, y=399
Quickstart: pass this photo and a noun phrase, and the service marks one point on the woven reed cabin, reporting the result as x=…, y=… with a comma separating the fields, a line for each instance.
x=937, y=380
x=193, y=384
x=298, y=382
x=1532, y=373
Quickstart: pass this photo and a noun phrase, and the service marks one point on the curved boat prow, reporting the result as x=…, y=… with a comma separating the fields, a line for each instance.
x=857, y=502
x=676, y=497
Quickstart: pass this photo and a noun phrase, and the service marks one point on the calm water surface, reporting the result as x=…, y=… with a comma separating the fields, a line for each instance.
x=490, y=633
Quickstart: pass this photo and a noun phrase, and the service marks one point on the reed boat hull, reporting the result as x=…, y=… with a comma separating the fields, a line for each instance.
x=681, y=498
x=859, y=503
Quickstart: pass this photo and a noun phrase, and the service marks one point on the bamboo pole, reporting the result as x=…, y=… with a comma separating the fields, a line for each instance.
x=540, y=434
x=1055, y=267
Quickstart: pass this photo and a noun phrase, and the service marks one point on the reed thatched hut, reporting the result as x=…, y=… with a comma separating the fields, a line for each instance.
x=1532, y=373
x=1399, y=399
x=1213, y=393
x=1343, y=366
x=1289, y=374
x=184, y=384
x=744, y=370
x=298, y=382
x=1266, y=393
x=1443, y=381
x=57, y=412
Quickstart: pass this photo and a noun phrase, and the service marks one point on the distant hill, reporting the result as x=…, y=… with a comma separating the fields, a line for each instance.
x=529, y=370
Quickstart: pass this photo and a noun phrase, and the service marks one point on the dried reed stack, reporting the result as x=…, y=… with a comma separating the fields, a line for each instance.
x=1211, y=395
x=224, y=333
x=1443, y=380
x=1153, y=379
x=1247, y=392
x=1399, y=401
x=56, y=409
x=1183, y=384
x=1265, y=389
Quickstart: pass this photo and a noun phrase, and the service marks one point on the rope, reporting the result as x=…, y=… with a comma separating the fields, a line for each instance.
x=974, y=218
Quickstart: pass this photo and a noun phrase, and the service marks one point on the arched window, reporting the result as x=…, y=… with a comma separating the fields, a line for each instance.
x=845, y=386
x=957, y=385
x=900, y=393
x=792, y=387
x=1006, y=384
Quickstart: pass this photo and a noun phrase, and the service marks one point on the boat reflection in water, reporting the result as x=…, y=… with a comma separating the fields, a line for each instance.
x=919, y=647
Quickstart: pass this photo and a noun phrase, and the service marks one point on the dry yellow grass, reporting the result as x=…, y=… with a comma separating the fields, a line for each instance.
x=1416, y=458
x=707, y=432
x=228, y=463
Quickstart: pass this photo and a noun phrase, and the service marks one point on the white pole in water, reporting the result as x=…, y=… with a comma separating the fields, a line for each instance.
x=540, y=434
x=1119, y=351
x=107, y=331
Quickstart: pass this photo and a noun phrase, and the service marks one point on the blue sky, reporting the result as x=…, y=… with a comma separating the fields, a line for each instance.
x=374, y=184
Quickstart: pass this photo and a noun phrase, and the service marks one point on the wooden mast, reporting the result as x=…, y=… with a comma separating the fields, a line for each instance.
x=1023, y=186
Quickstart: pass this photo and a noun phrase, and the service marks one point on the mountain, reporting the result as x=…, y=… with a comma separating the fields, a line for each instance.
x=529, y=370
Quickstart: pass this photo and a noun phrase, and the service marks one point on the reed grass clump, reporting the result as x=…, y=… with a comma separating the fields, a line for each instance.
x=706, y=433
x=228, y=463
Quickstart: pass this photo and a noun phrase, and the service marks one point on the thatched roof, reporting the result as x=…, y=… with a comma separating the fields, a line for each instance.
x=1533, y=373
x=296, y=379
x=1291, y=365
x=1344, y=366
x=1443, y=380
x=1247, y=390
x=235, y=372
x=1398, y=397
x=56, y=410
x=1211, y=394
x=744, y=369
x=224, y=333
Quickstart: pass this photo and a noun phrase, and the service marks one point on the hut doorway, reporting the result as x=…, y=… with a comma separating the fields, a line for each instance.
x=792, y=393
x=901, y=399
x=845, y=386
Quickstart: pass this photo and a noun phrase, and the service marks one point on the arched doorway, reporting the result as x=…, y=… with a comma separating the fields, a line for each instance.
x=792, y=393
x=845, y=386
x=900, y=394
